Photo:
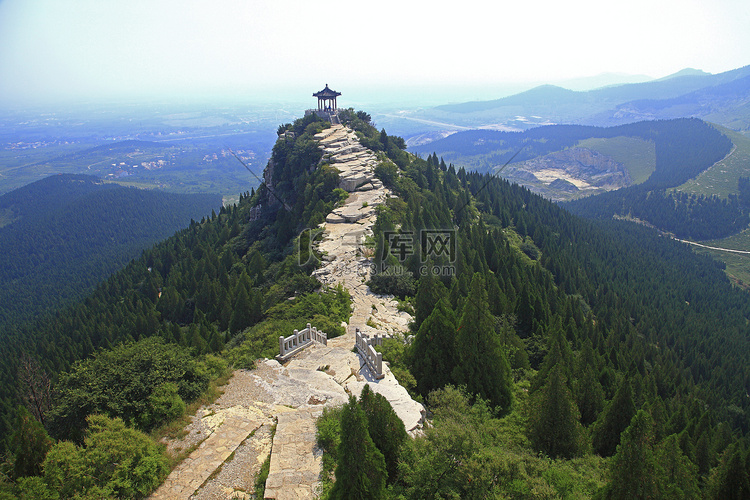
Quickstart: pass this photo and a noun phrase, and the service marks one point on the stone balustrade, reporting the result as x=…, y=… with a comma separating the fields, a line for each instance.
x=291, y=345
x=365, y=347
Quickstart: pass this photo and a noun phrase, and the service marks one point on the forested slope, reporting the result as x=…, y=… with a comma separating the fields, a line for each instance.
x=616, y=320
x=67, y=233
x=594, y=335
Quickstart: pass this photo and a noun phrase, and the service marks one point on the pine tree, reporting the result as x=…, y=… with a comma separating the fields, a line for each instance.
x=483, y=366
x=555, y=429
x=385, y=428
x=677, y=474
x=242, y=313
x=433, y=351
x=429, y=292
x=360, y=469
x=730, y=481
x=558, y=355
x=614, y=420
x=633, y=469
x=590, y=397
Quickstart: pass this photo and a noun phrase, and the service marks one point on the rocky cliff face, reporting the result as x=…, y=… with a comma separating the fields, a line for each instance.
x=570, y=173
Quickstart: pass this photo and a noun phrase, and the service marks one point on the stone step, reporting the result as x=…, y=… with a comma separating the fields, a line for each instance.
x=192, y=472
x=295, y=458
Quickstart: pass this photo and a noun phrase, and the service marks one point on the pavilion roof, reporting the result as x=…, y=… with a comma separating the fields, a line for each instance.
x=326, y=92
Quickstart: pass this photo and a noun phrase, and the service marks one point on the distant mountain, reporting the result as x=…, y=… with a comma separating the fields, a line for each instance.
x=602, y=80
x=722, y=98
x=727, y=104
x=686, y=72
x=61, y=236
x=543, y=95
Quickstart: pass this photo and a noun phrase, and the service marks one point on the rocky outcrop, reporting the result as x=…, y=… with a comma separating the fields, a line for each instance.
x=581, y=170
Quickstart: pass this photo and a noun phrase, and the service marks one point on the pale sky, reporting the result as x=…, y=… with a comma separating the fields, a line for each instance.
x=58, y=49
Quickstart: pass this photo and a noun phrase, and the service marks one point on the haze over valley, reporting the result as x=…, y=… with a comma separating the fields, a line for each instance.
x=348, y=251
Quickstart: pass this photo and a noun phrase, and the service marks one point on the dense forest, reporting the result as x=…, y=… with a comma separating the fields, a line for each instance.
x=684, y=215
x=63, y=235
x=559, y=357
x=621, y=338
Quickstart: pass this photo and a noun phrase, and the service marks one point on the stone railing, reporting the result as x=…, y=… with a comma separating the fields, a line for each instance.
x=366, y=349
x=291, y=345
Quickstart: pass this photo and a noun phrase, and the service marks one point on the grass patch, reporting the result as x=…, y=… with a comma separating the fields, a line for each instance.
x=721, y=178
x=260, y=479
x=636, y=154
x=738, y=265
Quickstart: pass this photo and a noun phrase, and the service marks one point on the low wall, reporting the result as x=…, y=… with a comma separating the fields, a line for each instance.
x=291, y=345
x=366, y=349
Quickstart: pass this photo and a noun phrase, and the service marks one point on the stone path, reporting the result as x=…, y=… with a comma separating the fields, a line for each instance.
x=345, y=262
x=187, y=477
x=296, y=460
x=294, y=394
x=236, y=478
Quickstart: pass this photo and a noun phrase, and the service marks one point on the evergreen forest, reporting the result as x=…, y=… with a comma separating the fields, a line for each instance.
x=63, y=235
x=559, y=357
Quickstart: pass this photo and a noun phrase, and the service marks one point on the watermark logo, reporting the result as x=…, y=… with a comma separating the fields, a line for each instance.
x=400, y=245
x=436, y=245
x=306, y=252
x=436, y=249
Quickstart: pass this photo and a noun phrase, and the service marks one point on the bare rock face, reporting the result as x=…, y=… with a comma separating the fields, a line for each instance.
x=563, y=185
x=578, y=171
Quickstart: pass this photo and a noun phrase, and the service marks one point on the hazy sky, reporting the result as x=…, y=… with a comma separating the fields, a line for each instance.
x=55, y=49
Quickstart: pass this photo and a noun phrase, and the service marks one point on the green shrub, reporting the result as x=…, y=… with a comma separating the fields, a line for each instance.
x=122, y=382
x=115, y=462
x=165, y=405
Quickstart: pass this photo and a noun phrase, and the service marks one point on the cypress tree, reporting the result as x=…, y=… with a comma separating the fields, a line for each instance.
x=678, y=474
x=590, y=397
x=385, y=428
x=633, y=470
x=433, y=351
x=483, y=366
x=558, y=355
x=555, y=429
x=242, y=313
x=614, y=420
x=430, y=291
x=730, y=480
x=360, y=469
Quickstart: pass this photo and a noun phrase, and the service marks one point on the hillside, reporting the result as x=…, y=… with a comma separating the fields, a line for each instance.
x=664, y=153
x=568, y=337
x=65, y=234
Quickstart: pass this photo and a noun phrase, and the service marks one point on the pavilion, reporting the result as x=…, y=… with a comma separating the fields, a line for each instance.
x=327, y=99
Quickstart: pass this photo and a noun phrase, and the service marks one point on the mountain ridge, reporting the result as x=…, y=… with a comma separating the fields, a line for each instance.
x=555, y=325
